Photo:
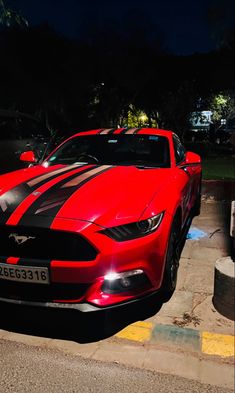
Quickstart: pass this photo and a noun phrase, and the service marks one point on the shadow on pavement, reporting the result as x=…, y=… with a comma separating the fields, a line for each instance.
x=77, y=326
x=74, y=325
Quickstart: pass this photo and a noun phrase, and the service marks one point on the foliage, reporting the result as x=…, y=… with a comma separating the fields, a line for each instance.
x=219, y=168
x=138, y=118
x=10, y=18
x=222, y=106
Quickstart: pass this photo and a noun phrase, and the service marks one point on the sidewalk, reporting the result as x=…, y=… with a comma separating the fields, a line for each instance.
x=188, y=337
x=189, y=321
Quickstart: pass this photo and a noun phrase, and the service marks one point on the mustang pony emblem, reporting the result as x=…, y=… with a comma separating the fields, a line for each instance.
x=20, y=239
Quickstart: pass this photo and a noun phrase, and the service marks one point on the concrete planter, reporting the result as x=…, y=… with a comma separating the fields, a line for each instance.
x=224, y=287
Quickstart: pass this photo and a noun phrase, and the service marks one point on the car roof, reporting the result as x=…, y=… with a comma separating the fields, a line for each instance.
x=126, y=131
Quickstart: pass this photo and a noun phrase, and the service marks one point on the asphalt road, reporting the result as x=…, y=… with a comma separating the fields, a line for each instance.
x=39, y=370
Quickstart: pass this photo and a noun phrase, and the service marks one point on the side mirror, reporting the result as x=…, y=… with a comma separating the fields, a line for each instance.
x=28, y=156
x=192, y=158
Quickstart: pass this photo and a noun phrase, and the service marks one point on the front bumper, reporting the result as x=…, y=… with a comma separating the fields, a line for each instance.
x=80, y=307
x=146, y=254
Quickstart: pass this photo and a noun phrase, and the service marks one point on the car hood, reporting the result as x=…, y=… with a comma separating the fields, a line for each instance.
x=105, y=195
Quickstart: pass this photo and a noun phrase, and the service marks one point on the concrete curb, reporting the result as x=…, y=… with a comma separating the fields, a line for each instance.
x=187, y=339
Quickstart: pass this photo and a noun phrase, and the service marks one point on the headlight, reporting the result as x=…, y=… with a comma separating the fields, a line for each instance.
x=125, y=281
x=135, y=229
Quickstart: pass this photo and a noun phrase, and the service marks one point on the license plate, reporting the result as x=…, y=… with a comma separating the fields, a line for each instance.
x=38, y=275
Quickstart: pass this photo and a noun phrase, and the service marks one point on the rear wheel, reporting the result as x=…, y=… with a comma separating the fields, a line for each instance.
x=172, y=262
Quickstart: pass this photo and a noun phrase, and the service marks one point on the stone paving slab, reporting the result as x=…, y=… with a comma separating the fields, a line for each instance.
x=182, y=301
x=210, y=320
x=219, y=242
x=195, y=281
x=201, y=255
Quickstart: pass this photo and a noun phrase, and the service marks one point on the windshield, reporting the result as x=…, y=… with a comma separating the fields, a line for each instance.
x=138, y=150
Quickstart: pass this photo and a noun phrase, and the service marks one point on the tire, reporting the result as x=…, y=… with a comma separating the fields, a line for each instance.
x=172, y=262
x=197, y=206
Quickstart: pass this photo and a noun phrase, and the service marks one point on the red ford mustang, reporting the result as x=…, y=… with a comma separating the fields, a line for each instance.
x=99, y=222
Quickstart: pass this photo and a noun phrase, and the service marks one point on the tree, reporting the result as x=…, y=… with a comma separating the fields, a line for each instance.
x=221, y=14
x=11, y=18
x=222, y=106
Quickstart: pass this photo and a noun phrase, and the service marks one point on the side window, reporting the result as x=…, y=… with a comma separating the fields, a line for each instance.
x=179, y=150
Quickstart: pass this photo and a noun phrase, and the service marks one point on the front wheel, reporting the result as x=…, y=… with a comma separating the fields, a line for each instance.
x=172, y=262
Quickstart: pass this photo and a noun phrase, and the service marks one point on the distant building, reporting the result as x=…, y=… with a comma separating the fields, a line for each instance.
x=201, y=120
x=200, y=125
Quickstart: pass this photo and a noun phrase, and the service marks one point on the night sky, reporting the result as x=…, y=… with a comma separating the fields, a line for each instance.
x=185, y=24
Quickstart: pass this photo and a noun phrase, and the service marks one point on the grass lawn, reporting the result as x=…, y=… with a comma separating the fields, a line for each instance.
x=215, y=168
x=218, y=161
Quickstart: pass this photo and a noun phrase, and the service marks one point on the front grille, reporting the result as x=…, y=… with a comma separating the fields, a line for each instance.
x=41, y=292
x=44, y=243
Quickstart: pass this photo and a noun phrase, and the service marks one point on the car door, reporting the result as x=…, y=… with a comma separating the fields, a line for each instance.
x=186, y=175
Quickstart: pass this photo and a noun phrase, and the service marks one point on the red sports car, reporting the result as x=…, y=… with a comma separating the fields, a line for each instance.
x=99, y=223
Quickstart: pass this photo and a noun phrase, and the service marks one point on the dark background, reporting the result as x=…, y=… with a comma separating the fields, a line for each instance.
x=82, y=64
x=186, y=26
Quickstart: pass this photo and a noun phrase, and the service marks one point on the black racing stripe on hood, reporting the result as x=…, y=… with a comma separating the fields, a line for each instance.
x=124, y=130
x=52, y=201
x=112, y=131
x=11, y=199
x=137, y=130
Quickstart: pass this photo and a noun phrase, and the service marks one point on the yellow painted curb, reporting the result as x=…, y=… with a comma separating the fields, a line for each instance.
x=139, y=331
x=217, y=344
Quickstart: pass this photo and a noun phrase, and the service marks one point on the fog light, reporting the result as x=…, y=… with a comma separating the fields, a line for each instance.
x=126, y=281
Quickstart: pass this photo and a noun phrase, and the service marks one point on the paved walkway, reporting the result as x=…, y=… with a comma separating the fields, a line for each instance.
x=189, y=320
